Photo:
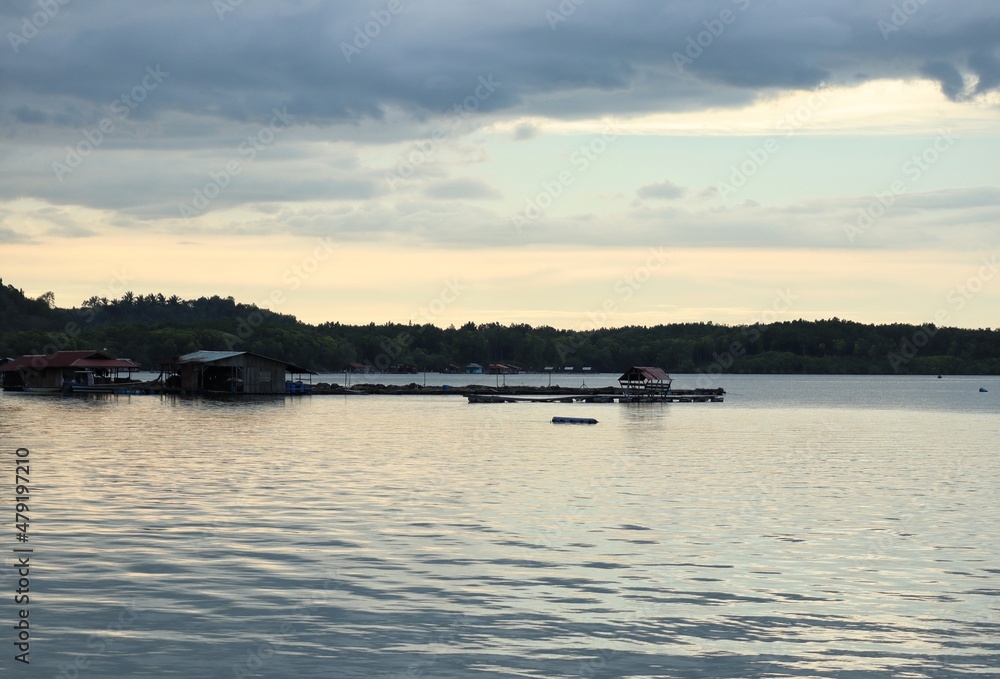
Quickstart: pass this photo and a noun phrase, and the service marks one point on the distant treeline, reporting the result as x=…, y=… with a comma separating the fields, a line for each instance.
x=152, y=328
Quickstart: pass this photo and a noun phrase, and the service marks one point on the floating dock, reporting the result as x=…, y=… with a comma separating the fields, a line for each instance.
x=673, y=396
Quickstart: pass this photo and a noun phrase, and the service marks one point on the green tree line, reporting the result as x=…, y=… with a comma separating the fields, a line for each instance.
x=152, y=329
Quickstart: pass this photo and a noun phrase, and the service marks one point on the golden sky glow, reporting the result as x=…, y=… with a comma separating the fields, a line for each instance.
x=803, y=148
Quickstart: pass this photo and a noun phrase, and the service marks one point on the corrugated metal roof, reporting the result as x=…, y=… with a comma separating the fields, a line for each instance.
x=205, y=356
x=69, y=359
x=644, y=372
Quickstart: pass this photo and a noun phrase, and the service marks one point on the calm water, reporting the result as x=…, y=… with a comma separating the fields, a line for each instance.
x=807, y=527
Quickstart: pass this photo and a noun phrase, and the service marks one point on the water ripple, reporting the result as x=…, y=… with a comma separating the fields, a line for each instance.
x=395, y=537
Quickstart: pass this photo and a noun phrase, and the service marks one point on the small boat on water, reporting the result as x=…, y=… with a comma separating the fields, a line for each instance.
x=983, y=390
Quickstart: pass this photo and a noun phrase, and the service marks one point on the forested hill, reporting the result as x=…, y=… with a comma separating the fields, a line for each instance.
x=154, y=328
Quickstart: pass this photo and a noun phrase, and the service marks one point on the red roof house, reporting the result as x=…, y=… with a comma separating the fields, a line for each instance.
x=48, y=372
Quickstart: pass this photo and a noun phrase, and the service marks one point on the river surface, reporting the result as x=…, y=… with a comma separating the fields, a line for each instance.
x=807, y=527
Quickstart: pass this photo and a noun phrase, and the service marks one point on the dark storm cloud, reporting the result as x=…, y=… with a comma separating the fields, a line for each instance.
x=332, y=62
x=987, y=70
x=135, y=108
x=951, y=80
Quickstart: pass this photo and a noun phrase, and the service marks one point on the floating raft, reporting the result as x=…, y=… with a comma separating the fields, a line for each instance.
x=573, y=420
x=673, y=396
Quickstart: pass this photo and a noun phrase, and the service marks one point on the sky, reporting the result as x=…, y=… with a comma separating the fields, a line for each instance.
x=580, y=164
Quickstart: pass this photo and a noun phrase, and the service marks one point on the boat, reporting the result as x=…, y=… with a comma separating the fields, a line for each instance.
x=983, y=390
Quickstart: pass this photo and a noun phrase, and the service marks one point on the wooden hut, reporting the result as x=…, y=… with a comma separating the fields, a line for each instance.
x=645, y=382
x=235, y=372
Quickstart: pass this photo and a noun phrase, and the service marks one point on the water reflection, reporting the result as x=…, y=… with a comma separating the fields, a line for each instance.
x=392, y=536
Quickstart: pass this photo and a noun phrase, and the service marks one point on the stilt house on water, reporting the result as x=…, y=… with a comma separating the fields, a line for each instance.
x=642, y=382
x=235, y=372
x=64, y=370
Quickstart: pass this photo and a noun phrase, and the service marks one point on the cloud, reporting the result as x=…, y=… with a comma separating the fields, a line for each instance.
x=28, y=115
x=950, y=220
x=63, y=223
x=436, y=93
x=8, y=235
x=462, y=189
x=665, y=190
x=987, y=70
x=605, y=59
x=525, y=131
x=948, y=76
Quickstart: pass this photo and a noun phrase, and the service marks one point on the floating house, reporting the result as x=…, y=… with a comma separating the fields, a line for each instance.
x=235, y=372
x=473, y=369
x=502, y=369
x=643, y=382
x=66, y=371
